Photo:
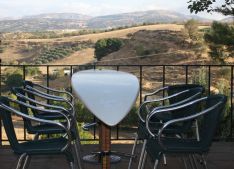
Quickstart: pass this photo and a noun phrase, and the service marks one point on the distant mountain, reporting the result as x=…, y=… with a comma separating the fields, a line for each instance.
x=152, y=16
x=73, y=16
x=229, y=19
x=32, y=25
x=8, y=18
x=61, y=21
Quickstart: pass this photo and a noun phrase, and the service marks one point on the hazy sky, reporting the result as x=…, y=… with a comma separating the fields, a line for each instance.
x=18, y=8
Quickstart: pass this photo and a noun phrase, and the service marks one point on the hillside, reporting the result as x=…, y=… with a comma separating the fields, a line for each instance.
x=26, y=50
x=155, y=40
x=155, y=47
x=71, y=21
x=152, y=16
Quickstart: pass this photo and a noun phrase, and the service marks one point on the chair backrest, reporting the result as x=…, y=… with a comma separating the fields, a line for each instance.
x=210, y=120
x=29, y=83
x=194, y=92
x=23, y=109
x=8, y=124
x=173, y=89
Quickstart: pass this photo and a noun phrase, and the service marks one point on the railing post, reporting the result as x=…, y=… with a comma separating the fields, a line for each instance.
x=0, y=77
x=140, y=84
x=186, y=74
x=47, y=77
x=209, y=80
x=164, y=76
x=24, y=77
x=71, y=72
x=231, y=115
x=117, y=128
x=0, y=95
x=94, y=118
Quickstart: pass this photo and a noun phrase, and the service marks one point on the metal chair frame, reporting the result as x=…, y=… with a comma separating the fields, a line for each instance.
x=160, y=135
x=24, y=158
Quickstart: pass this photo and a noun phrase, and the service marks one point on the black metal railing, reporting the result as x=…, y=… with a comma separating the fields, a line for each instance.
x=156, y=75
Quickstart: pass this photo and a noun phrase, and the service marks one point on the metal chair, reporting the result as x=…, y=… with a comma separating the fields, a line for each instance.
x=68, y=99
x=37, y=108
x=209, y=117
x=176, y=95
x=27, y=149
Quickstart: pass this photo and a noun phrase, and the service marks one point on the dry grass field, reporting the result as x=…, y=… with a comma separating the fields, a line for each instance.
x=113, y=34
x=17, y=50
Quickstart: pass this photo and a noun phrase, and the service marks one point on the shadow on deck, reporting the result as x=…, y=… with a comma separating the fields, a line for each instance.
x=221, y=156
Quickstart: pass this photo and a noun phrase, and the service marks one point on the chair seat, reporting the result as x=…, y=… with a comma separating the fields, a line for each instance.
x=50, y=129
x=175, y=146
x=49, y=116
x=46, y=146
x=155, y=126
x=46, y=129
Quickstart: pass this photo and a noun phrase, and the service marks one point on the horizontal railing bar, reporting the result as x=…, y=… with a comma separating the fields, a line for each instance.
x=197, y=65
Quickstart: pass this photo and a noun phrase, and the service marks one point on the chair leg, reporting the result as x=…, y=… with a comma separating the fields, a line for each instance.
x=142, y=154
x=36, y=137
x=71, y=165
x=204, y=161
x=78, y=136
x=191, y=161
x=133, y=151
x=185, y=163
x=143, y=161
x=78, y=155
x=156, y=164
x=26, y=162
x=197, y=131
x=194, y=161
x=164, y=159
x=21, y=158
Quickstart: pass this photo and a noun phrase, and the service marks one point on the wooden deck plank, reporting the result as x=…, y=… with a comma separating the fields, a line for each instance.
x=221, y=156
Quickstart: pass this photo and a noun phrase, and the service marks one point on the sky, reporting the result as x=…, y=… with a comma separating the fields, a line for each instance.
x=19, y=8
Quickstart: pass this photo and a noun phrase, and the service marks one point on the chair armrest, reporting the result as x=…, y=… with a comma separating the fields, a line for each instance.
x=60, y=99
x=55, y=90
x=155, y=92
x=188, y=118
x=44, y=104
x=157, y=100
x=66, y=128
x=45, y=94
x=39, y=109
x=86, y=126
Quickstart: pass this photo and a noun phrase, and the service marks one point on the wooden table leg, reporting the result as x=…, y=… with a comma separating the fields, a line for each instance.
x=105, y=144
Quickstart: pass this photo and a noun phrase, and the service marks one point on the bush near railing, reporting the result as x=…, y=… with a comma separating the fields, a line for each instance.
x=222, y=87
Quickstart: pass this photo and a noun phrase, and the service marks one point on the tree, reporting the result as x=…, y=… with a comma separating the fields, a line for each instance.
x=220, y=39
x=104, y=47
x=191, y=29
x=226, y=8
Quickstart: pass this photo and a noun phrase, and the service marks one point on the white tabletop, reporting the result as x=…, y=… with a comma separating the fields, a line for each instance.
x=108, y=94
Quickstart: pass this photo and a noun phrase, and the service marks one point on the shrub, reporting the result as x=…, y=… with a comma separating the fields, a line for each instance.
x=223, y=87
x=14, y=80
x=32, y=71
x=104, y=47
x=200, y=77
x=191, y=29
x=140, y=50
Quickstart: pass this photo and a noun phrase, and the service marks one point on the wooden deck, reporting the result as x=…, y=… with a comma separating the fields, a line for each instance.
x=221, y=156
